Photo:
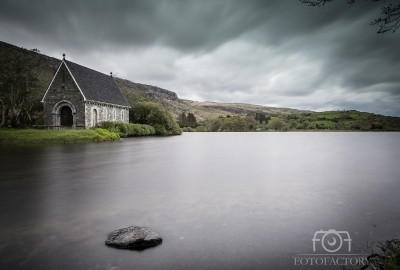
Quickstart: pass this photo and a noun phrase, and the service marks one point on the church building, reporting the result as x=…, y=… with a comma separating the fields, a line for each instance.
x=81, y=97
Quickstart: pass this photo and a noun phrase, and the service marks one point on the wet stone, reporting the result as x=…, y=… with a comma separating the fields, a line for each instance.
x=134, y=237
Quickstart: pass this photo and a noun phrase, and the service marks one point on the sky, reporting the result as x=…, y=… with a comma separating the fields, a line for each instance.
x=266, y=52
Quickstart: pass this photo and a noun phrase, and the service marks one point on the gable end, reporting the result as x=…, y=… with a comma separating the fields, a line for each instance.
x=55, y=76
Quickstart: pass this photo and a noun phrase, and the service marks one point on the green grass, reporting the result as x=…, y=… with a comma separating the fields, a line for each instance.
x=359, y=115
x=356, y=115
x=329, y=115
x=274, y=118
x=34, y=136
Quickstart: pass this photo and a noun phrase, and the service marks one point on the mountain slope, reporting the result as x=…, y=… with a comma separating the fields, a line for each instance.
x=202, y=110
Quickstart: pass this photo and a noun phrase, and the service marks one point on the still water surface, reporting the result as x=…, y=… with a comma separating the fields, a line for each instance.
x=220, y=200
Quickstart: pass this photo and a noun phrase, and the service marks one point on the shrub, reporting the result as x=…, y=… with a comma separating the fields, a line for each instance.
x=160, y=129
x=127, y=130
x=201, y=129
x=155, y=115
x=377, y=126
x=277, y=124
x=105, y=134
x=233, y=124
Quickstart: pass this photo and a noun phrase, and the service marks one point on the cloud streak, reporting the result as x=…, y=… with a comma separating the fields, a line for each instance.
x=277, y=53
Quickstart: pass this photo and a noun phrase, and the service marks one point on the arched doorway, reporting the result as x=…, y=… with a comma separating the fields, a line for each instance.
x=66, y=116
x=94, y=120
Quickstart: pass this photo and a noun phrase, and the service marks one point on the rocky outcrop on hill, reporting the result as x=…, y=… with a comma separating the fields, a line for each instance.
x=215, y=108
x=155, y=93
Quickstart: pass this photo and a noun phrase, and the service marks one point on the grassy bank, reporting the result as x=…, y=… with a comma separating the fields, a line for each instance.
x=10, y=136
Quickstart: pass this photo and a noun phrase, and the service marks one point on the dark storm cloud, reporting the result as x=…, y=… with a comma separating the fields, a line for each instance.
x=181, y=24
x=186, y=25
x=278, y=53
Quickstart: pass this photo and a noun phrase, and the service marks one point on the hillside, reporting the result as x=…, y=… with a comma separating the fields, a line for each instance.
x=202, y=110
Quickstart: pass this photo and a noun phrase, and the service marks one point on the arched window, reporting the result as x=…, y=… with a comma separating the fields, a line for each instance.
x=94, y=120
x=105, y=116
x=114, y=114
x=122, y=115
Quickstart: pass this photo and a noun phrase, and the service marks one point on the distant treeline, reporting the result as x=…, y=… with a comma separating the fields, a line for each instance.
x=331, y=120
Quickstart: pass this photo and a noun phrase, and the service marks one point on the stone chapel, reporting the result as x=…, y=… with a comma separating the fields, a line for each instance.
x=81, y=97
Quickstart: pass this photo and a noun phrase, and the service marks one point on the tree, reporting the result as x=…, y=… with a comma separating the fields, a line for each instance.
x=389, y=20
x=293, y=124
x=187, y=121
x=191, y=120
x=182, y=120
x=277, y=124
x=215, y=124
x=234, y=124
x=20, y=87
x=260, y=117
x=155, y=115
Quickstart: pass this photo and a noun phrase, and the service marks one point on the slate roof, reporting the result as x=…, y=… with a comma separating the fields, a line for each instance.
x=96, y=86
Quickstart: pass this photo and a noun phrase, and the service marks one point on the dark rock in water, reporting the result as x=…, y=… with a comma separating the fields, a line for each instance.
x=134, y=237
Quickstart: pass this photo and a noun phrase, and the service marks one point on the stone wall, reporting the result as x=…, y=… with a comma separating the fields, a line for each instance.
x=63, y=91
x=96, y=112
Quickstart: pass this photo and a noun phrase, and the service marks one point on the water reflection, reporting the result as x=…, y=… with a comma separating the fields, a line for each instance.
x=220, y=201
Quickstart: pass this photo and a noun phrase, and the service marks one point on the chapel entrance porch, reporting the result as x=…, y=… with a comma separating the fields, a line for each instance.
x=66, y=117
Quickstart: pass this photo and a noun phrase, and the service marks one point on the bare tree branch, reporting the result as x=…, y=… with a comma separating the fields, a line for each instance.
x=319, y=3
x=390, y=19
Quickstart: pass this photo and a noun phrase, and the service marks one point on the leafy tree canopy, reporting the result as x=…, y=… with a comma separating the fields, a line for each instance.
x=20, y=86
x=155, y=115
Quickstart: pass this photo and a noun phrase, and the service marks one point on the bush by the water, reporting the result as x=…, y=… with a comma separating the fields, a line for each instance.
x=127, y=130
x=188, y=129
x=232, y=124
x=155, y=115
x=104, y=135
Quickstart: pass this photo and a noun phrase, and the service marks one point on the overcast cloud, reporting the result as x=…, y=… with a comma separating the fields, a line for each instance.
x=274, y=53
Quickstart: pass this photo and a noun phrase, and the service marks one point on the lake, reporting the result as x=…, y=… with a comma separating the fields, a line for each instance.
x=219, y=200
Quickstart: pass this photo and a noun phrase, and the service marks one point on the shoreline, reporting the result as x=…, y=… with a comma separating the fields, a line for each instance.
x=29, y=136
